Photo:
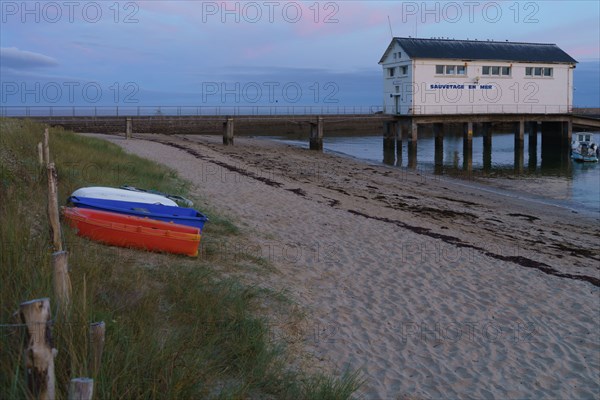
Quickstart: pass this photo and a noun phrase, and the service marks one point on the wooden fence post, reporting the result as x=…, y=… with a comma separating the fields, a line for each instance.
x=53, y=208
x=40, y=149
x=62, y=281
x=39, y=354
x=81, y=389
x=128, y=128
x=97, y=332
x=46, y=147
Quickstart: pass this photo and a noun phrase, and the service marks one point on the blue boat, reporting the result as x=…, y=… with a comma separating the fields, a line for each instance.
x=176, y=215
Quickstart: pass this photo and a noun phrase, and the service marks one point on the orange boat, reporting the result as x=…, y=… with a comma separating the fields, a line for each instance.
x=129, y=231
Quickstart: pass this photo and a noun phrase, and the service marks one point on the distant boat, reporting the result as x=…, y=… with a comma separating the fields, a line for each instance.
x=133, y=232
x=177, y=215
x=109, y=193
x=584, y=149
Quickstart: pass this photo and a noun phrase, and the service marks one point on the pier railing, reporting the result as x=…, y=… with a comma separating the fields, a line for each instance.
x=435, y=109
x=148, y=111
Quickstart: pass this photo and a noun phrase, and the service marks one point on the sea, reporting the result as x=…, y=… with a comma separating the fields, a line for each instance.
x=548, y=176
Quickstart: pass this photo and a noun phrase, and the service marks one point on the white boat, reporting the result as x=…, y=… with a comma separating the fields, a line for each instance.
x=584, y=149
x=109, y=193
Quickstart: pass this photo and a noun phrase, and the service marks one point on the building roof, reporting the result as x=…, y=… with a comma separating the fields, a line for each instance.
x=481, y=50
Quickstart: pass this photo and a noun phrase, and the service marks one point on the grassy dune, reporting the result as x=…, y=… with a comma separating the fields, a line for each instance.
x=176, y=328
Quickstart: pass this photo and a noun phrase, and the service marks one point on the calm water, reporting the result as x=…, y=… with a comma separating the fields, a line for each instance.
x=549, y=175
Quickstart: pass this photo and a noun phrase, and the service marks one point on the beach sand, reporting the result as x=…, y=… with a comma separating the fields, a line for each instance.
x=433, y=288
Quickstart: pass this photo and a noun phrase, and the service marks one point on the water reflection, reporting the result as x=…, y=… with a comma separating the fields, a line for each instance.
x=495, y=154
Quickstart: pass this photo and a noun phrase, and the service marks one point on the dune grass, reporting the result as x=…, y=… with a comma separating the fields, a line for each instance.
x=176, y=329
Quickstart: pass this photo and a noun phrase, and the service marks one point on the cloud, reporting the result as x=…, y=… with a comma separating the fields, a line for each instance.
x=12, y=57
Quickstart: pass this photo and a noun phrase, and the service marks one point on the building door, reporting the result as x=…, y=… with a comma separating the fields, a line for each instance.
x=397, y=104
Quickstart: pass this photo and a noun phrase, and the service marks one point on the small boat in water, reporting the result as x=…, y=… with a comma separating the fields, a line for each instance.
x=134, y=232
x=109, y=193
x=177, y=215
x=584, y=149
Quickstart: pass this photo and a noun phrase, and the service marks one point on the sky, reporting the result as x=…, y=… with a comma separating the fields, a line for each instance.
x=255, y=53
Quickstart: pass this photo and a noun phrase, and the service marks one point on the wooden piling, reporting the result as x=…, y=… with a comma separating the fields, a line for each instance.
x=316, y=135
x=53, y=216
x=97, y=337
x=81, y=389
x=228, y=132
x=62, y=281
x=39, y=354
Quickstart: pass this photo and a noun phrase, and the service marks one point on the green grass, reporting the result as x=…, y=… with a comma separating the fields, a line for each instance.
x=175, y=328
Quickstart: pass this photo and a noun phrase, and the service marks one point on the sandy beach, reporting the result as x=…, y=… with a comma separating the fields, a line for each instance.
x=433, y=288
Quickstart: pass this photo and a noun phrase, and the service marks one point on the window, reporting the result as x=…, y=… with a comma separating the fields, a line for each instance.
x=450, y=69
x=391, y=72
x=403, y=70
x=439, y=69
x=461, y=70
x=395, y=55
x=495, y=70
x=399, y=54
x=539, y=71
x=397, y=89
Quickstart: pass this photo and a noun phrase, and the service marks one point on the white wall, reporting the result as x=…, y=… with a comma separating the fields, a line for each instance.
x=404, y=97
x=475, y=92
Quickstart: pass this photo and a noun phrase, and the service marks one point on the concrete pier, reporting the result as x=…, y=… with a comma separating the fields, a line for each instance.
x=316, y=135
x=438, y=133
x=486, y=130
x=228, y=132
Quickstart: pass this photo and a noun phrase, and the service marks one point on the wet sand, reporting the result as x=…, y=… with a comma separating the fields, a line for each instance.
x=432, y=287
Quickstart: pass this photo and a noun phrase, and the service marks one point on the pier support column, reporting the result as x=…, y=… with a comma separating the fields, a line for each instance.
x=438, y=133
x=468, y=147
x=389, y=142
x=316, y=135
x=565, y=145
x=412, y=144
x=129, y=128
x=551, y=148
x=399, y=133
x=532, y=133
x=403, y=135
x=519, y=146
x=486, y=130
x=567, y=132
x=228, y=132
x=389, y=135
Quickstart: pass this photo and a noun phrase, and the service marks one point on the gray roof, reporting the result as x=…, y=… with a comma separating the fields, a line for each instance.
x=481, y=50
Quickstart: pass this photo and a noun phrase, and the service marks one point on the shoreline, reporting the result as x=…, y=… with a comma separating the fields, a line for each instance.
x=499, y=182
x=424, y=285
